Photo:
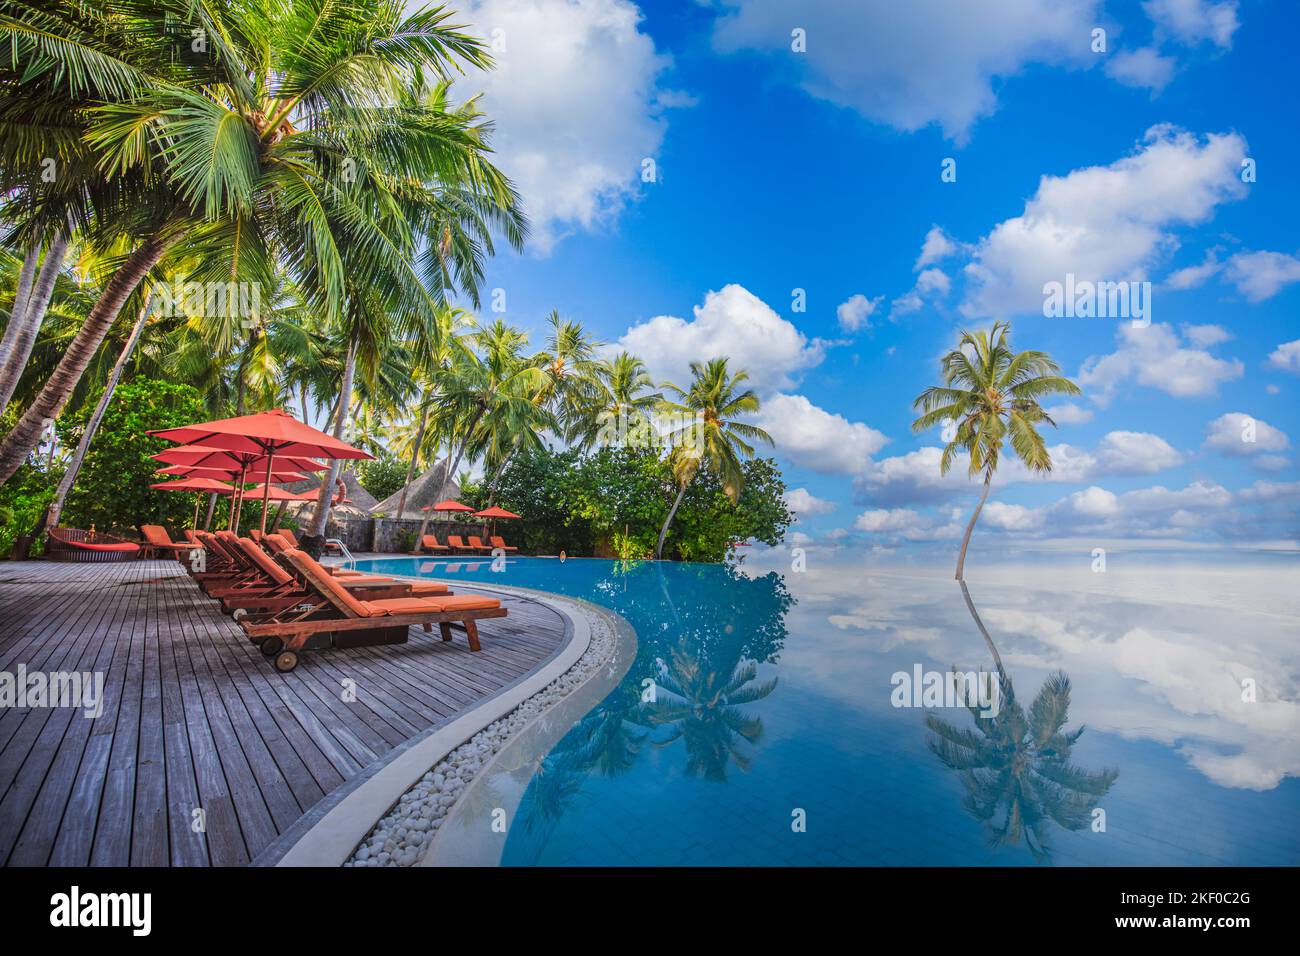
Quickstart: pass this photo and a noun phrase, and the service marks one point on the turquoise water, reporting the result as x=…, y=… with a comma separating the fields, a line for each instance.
x=774, y=737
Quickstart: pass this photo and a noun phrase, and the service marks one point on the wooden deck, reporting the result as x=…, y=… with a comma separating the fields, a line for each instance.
x=204, y=754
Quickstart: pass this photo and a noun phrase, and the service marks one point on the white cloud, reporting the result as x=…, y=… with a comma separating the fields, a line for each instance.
x=855, y=312
x=881, y=519
x=1261, y=275
x=1204, y=336
x=812, y=437
x=906, y=524
x=1144, y=68
x=1240, y=435
x=1286, y=357
x=1194, y=21
x=1103, y=223
x=1193, y=277
x=805, y=504
x=914, y=477
x=1153, y=356
x=732, y=322
x=936, y=247
x=1070, y=414
x=931, y=283
x=1007, y=517
x=913, y=64
x=576, y=99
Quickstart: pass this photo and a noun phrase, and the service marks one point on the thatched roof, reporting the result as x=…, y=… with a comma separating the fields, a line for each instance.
x=424, y=490
x=357, y=497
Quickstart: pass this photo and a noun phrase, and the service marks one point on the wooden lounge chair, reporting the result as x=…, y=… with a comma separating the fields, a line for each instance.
x=430, y=543
x=288, y=536
x=476, y=545
x=333, y=617
x=278, y=544
x=458, y=545
x=157, y=541
x=276, y=588
x=500, y=542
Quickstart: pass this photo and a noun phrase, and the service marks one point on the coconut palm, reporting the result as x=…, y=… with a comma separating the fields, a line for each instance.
x=620, y=401
x=308, y=149
x=991, y=392
x=714, y=439
x=1016, y=767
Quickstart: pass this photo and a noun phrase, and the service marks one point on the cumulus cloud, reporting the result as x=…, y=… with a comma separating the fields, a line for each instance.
x=1204, y=336
x=906, y=524
x=1286, y=357
x=1154, y=356
x=913, y=478
x=1070, y=414
x=855, y=312
x=930, y=284
x=578, y=104
x=1261, y=275
x=1104, y=223
x=913, y=64
x=814, y=438
x=1240, y=435
x=1194, y=21
x=1193, y=277
x=1144, y=68
x=732, y=322
x=805, y=504
x=936, y=247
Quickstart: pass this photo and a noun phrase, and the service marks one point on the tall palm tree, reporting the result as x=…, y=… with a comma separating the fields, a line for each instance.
x=714, y=439
x=621, y=398
x=991, y=392
x=296, y=141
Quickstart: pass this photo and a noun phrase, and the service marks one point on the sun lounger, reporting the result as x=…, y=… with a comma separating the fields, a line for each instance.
x=476, y=545
x=430, y=543
x=76, y=544
x=157, y=541
x=276, y=588
x=332, y=616
x=288, y=536
x=499, y=542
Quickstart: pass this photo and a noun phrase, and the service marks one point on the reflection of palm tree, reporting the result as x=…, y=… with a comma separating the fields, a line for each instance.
x=1016, y=768
x=705, y=712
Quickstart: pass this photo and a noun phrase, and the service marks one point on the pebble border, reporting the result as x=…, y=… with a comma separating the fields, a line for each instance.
x=403, y=835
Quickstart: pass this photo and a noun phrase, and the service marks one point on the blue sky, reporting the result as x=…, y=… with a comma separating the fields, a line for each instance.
x=820, y=170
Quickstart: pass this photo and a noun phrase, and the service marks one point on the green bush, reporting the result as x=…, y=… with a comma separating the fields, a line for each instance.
x=382, y=477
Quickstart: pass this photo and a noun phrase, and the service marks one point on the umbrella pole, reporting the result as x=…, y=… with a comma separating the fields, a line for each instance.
x=237, y=504
x=198, y=499
x=266, y=487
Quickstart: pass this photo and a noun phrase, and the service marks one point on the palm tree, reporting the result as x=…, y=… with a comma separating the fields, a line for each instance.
x=300, y=140
x=1016, y=768
x=714, y=438
x=620, y=398
x=990, y=392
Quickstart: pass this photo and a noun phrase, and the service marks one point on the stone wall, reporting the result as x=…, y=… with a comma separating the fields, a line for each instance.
x=384, y=535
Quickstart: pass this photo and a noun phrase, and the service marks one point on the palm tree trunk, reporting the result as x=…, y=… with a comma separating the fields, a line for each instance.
x=22, y=294
x=496, y=479
x=452, y=465
x=415, y=457
x=316, y=528
x=672, y=513
x=58, y=388
x=961, y=558
x=92, y=426
x=212, y=509
x=33, y=316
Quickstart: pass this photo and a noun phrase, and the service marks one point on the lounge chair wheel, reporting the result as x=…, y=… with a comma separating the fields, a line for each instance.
x=286, y=661
x=240, y=612
x=271, y=646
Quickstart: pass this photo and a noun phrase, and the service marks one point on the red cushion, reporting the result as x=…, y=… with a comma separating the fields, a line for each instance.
x=118, y=546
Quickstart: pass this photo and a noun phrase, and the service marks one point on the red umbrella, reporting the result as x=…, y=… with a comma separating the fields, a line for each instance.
x=264, y=435
x=192, y=471
x=495, y=513
x=447, y=505
x=210, y=485
x=234, y=464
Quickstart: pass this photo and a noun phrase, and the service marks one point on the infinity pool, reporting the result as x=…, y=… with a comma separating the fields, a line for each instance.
x=775, y=735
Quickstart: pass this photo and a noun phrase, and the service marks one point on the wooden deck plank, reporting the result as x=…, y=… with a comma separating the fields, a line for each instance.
x=195, y=718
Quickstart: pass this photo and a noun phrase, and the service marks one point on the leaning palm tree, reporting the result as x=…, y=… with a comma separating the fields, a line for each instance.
x=991, y=392
x=713, y=439
x=620, y=398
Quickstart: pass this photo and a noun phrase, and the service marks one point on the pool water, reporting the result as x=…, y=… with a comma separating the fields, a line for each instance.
x=760, y=722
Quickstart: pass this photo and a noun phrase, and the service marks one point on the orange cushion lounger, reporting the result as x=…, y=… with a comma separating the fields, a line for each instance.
x=156, y=539
x=430, y=543
x=477, y=545
x=288, y=536
x=334, y=613
x=500, y=542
